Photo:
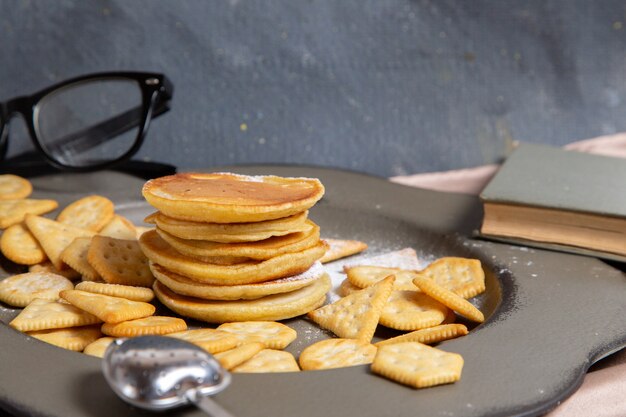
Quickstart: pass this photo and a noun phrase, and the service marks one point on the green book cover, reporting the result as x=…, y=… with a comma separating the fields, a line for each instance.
x=554, y=178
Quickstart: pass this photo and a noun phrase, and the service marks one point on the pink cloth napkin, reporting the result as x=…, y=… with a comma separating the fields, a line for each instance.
x=603, y=391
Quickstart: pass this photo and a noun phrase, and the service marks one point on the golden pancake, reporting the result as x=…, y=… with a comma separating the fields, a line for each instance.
x=160, y=252
x=189, y=287
x=261, y=250
x=231, y=198
x=273, y=307
x=230, y=233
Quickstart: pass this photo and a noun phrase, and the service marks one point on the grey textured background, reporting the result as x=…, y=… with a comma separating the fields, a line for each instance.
x=385, y=87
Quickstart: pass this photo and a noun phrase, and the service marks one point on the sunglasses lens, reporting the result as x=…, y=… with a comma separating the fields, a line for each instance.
x=91, y=122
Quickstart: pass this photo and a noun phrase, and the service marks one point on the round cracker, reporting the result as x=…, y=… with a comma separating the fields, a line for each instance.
x=20, y=290
x=13, y=187
x=91, y=213
x=273, y=307
x=20, y=246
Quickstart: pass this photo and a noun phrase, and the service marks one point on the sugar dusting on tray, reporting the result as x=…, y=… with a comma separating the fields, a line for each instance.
x=405, y=258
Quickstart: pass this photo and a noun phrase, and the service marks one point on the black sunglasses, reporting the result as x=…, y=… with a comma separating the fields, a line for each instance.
x=89, y=122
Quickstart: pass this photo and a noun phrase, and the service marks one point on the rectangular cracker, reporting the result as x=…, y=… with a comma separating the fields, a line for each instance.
x=106, y=308
x=233, y=357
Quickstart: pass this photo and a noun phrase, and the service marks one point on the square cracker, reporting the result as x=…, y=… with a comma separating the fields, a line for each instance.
x=43, y=314
x=417, y=365
x=75, y=255
x=120, y=261
x=463, y=276
x=120, y=228
x=356, y=315
x=54, y=237
x=74, y=338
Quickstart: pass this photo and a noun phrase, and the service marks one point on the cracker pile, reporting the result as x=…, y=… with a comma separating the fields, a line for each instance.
x=425, y=303
x=234, y=250
x=230, y=247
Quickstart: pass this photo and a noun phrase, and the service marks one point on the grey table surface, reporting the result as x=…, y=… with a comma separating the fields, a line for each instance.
x=385, y=87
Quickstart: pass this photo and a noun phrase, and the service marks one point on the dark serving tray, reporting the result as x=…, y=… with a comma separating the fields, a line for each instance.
x=549, y=316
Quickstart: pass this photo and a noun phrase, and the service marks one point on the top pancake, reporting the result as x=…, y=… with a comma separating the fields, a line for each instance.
x=231, y=198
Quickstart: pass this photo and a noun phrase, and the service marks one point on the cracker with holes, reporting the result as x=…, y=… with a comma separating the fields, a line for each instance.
x=73, y=338
x=116, y=290
x=336, y=353
x=15, y=211
x=13, y=187
x=449, y=299
x=430, y=335
x=233, y=357
x=464, y=277
x=106, y=308
x=20, y=290
x=272, y=334
x=412, y=310
x=120, y=261
x=269, y=360
x=417, y=365
x=152, y=325
x=120, y=228
x=340, y=249
x=54, y=237
x=366, y=276
x=20, y=246
x=43, y=314
x=98, y=347
x=211, y=340
x=91, y=213
x=356, y=315
x=75, y=256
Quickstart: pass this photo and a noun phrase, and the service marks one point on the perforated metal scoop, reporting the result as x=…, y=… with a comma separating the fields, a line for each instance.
x=158, y=373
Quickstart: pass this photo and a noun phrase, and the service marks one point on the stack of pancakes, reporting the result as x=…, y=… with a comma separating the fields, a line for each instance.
x=230, y=247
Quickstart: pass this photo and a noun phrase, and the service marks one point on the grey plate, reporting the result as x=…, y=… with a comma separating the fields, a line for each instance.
x=549, y=317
